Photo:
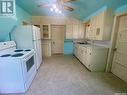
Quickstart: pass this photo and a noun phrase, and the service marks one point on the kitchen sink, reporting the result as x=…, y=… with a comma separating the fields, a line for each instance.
x=83, y=43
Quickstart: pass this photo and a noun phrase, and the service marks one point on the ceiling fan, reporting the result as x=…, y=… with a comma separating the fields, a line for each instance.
x=60, y=4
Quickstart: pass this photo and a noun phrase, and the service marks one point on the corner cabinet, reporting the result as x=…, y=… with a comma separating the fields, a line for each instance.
x=46, y=31
x=101, y=25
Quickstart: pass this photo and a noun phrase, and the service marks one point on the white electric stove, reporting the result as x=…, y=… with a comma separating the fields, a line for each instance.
x=17, y=68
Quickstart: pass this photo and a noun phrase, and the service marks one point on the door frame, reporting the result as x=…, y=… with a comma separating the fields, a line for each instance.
x=52, y=41
x=113, y=41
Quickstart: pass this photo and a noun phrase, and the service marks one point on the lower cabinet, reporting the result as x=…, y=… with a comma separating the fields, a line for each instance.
x=46, y=48
x=93, y=57
x=75, y=49
x=68, y=47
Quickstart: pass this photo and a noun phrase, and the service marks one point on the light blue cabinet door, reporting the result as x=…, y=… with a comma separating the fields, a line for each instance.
x=68, y=47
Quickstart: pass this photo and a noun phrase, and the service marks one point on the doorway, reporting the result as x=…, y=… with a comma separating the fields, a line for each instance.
x=119, y=66
x=58, y=32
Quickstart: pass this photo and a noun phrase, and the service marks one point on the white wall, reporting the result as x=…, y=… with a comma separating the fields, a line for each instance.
x=7, y=24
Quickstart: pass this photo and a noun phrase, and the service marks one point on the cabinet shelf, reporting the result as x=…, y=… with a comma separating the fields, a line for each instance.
x=45, y=29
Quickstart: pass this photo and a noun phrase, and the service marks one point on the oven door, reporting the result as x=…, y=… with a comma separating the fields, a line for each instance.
x=29, y=67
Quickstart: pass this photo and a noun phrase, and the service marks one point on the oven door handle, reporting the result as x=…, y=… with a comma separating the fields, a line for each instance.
x=27, y=58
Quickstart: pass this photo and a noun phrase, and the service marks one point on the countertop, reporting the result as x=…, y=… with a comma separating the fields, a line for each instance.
x=91, y=45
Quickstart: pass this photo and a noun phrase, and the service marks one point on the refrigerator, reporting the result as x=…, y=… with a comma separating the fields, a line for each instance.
x=29, y=37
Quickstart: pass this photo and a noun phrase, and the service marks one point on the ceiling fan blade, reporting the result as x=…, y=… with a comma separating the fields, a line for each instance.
x=68, y=8
x=65, y=1
x=44, y=5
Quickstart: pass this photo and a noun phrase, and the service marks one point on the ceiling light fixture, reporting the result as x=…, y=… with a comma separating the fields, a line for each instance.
x=54, y=6
x=60, y=12
x=51, y=9
x=55, y=9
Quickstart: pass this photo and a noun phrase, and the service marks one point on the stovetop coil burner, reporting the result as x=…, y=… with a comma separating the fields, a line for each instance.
x=6, y=55
x=19, y=50
x=18, y=55
x=27, y=50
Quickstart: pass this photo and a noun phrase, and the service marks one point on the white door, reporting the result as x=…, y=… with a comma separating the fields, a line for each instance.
x=119, y=67
x=58, y=39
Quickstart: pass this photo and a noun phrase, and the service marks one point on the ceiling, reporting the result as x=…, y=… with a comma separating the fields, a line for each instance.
x=83, y=8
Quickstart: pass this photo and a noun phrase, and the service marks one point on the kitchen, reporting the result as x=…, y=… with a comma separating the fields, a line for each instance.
x=78, y=49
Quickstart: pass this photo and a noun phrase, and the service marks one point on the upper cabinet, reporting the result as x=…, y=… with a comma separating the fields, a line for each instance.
x=101, y=26
x=81, y=33
x=46, y=31
x=93, y=23
x=69, y=29
x=74, y=31
x=74, y=27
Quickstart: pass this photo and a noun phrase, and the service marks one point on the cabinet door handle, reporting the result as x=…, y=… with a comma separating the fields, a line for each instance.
x=53, y=42
x=115, y=49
